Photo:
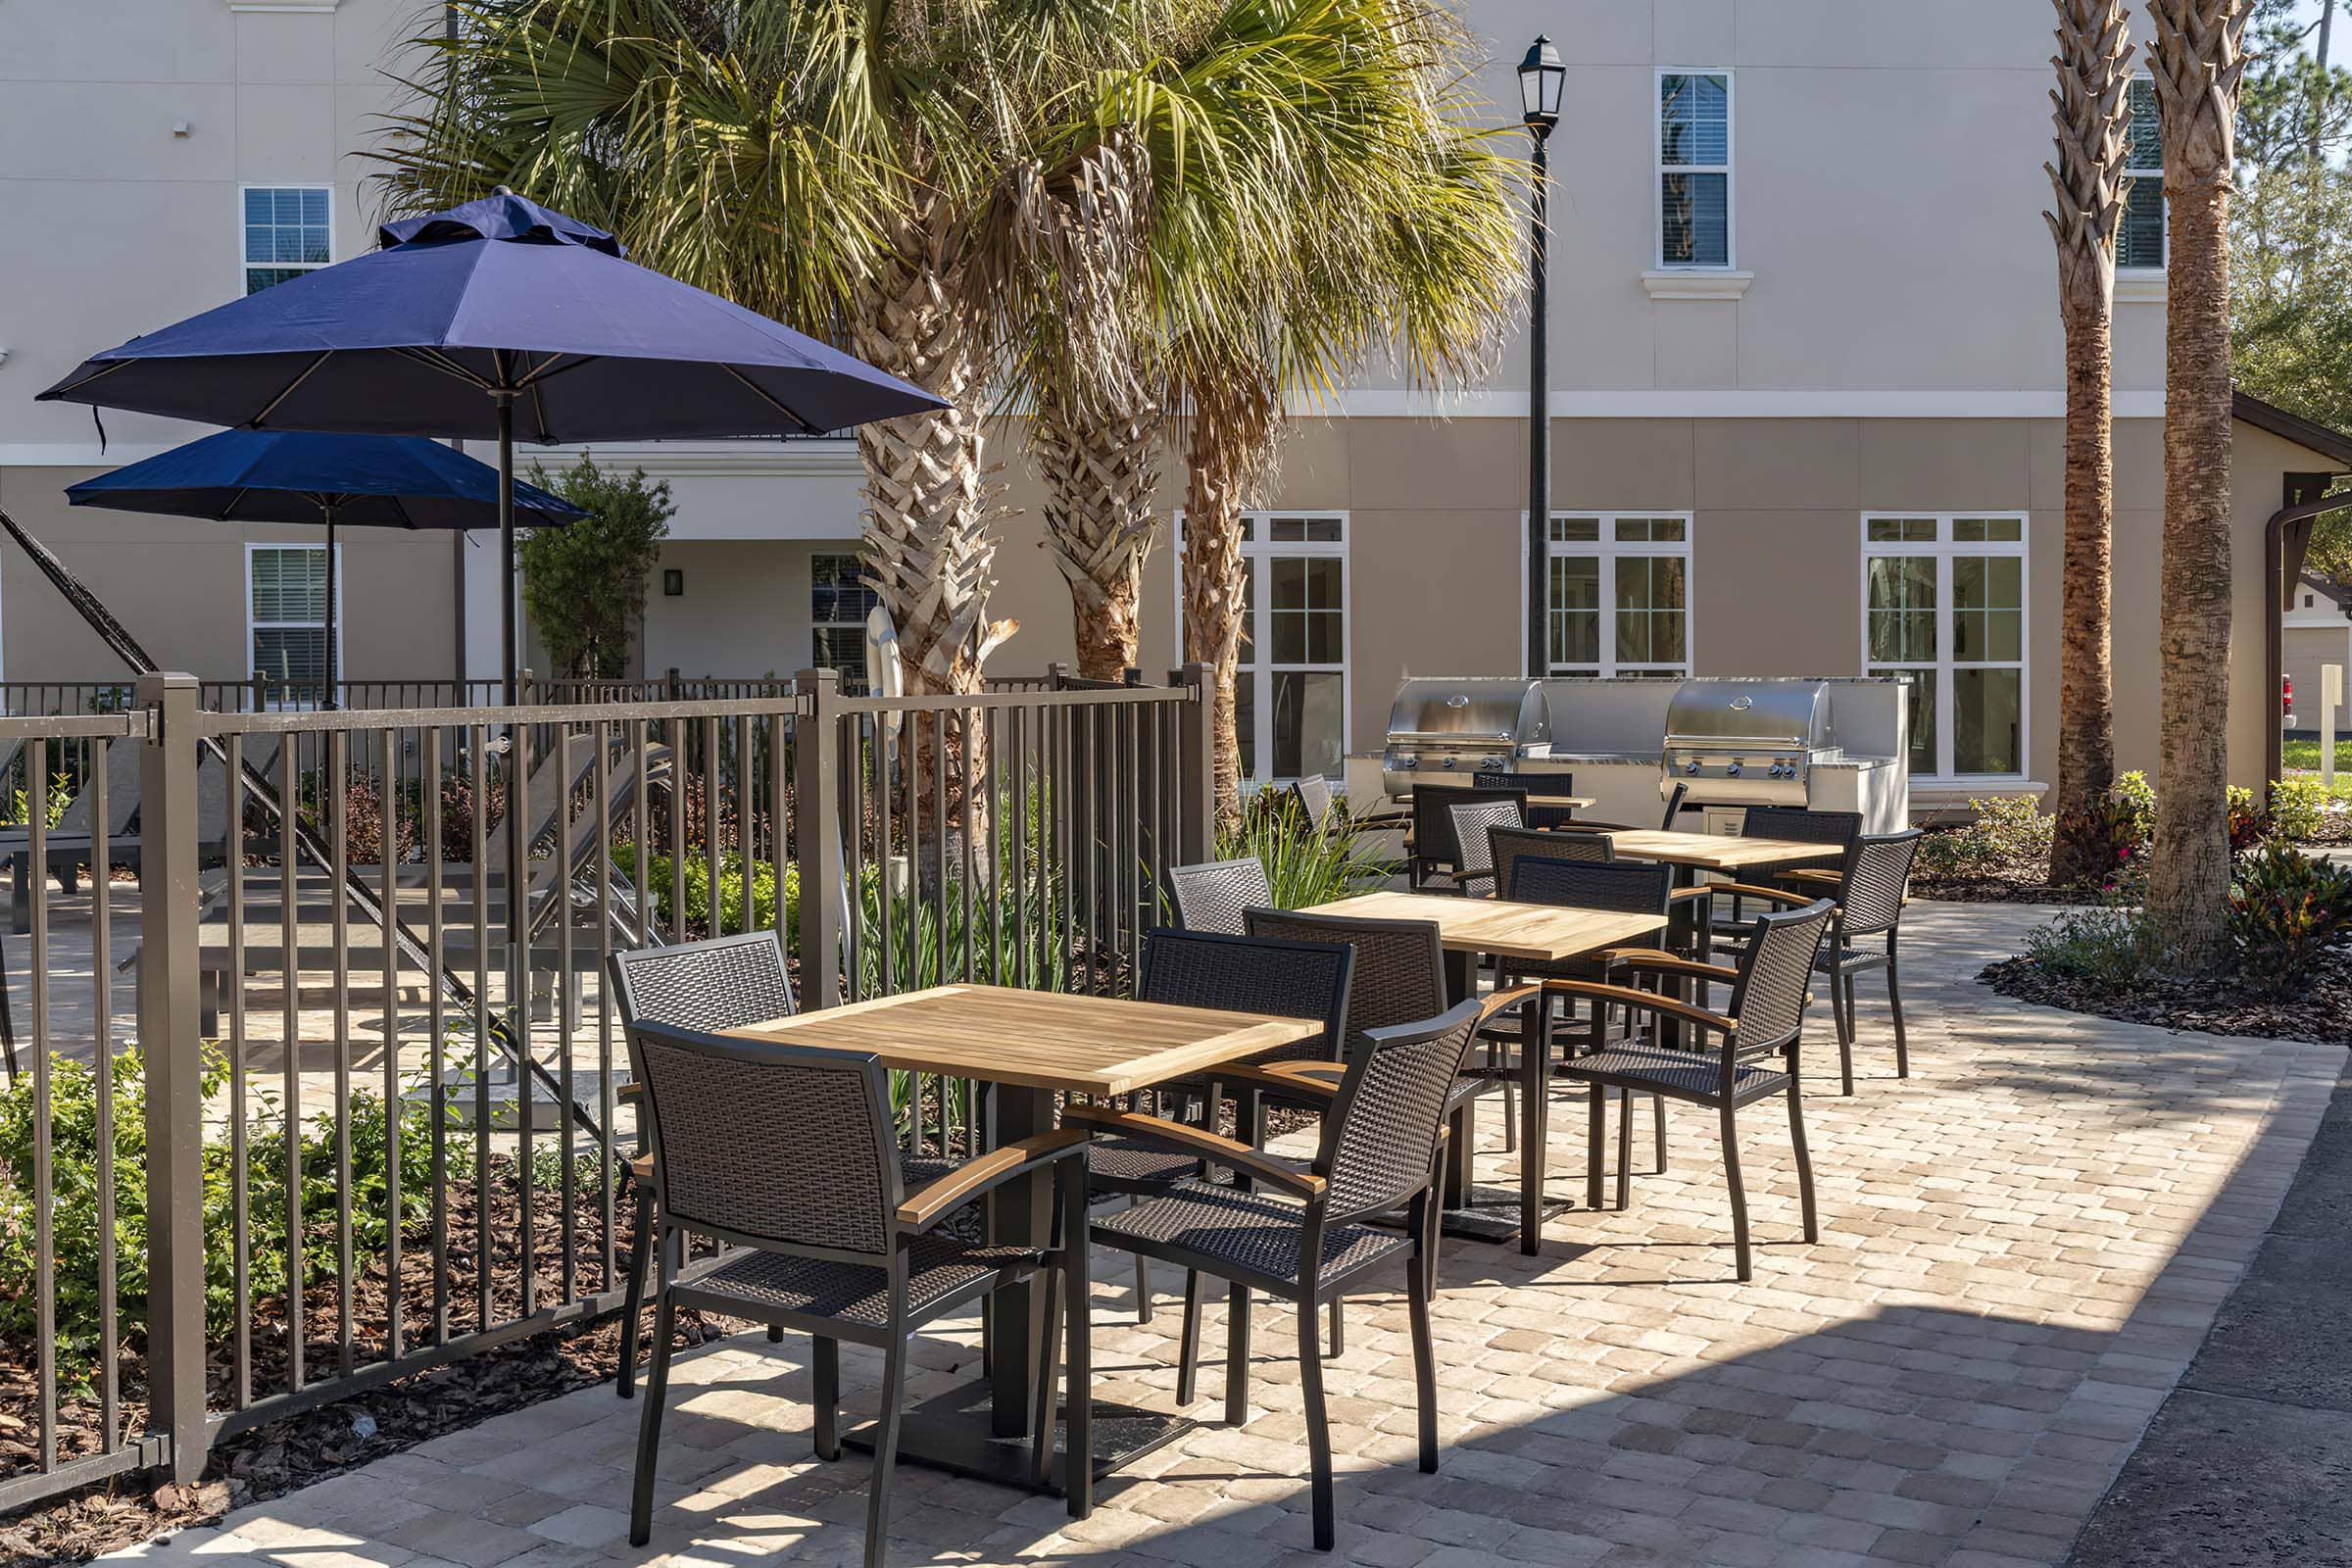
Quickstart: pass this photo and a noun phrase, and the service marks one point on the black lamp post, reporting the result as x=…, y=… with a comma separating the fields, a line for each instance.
x=1541, y=76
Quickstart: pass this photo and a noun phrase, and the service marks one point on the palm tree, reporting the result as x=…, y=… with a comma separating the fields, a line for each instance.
x=2197, y=62
x=1320, y=196
x=2092, y=110
x=845, y=166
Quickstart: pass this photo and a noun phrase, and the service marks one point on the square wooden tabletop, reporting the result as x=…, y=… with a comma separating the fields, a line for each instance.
x=1717, y=852
x=1531, y=931
x=1037, y=1039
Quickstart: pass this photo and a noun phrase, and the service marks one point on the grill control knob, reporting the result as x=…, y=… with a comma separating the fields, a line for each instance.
x=1449, y=762
x=1731, y=771
x=1691, y=766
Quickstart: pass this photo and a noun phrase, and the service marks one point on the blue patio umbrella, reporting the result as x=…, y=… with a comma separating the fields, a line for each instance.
x=380, y=481
x=492, y=318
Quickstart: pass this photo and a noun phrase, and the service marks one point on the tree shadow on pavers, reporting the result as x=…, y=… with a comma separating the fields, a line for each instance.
x=1911, y=1433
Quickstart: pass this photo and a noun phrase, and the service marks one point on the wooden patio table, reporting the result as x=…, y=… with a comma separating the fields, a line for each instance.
x=1033, y=1046
x=1536, y=933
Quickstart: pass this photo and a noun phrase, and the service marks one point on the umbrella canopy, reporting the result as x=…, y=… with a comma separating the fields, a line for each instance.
x=375, y=481
x=498, y=295
x=495, y=318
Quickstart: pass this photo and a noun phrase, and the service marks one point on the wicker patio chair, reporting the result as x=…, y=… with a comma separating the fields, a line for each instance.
x=789, y=1153
x=1235, y=974
x=1210, y=896
x=1799, y=824
x=1869, y=889
x=1763, y=1018
x=1547, y=794
x=1506, y=845
x=1300, y=1234
x=1473, y=863
x=1434, y=851
x=724, y=983
x=1667, y=824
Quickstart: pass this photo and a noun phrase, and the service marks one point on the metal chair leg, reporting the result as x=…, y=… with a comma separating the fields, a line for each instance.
x=1318, y=1427
x=1894, y=1005
x=1143, y=1290
x=641, y=1261
x=1078, y=1437
x=824, y=1380
x=1421, y=1285
x=649, y=1425
x=1804, y=1158
x=1658, y=1104
x=1049, y=1362
x=1188, y=1353
x=1236, y=1354
x=1339, y=1332
x=886, y=1442
x=1596, y=1134
x=1731, y=1172
x=1842, y=1012
x=1625, y=1150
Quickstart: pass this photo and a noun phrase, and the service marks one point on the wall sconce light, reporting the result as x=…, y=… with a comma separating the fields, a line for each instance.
x=673, y=583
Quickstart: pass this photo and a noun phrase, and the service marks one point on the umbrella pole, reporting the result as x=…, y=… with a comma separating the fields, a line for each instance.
x=328, y=700
x=505, y=542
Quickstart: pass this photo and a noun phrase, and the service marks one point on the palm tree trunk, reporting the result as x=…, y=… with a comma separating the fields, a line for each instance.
x=1101, y=477
x=1228, y=446
x=928, y=551
x=2093, y=64
x=2198, y=65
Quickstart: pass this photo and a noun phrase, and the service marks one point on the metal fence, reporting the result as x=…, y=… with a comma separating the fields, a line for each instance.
x=373, y=1069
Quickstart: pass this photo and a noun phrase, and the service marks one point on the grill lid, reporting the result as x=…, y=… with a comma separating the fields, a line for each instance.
x=1792, y=713
x=1470, y=708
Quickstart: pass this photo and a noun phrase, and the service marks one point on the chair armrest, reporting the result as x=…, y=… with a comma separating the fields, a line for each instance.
x=1282, y=1078
x=1645, y=1000
x=1594, y=824
x=928, y=1205
x=1198, y=1141
x=1820, y=876
x=1669, y=964
x=1686, y=895
x=1499, y=1000
x=630, y=1093
x=1748, y=890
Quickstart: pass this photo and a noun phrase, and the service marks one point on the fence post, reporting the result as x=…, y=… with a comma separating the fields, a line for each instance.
x=816, y=834
x=1058, y=675
x=1196, y=767
x=170, y=1041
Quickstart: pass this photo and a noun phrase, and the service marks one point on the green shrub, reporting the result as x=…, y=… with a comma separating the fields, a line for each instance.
x=74, y=1192
x=1304, y=865
x=730, y=893
x=2298, y=810
x=2008, y=831
x=2286, y=909
x=2110, y=944
x=2135, y=794
x=2106, y=840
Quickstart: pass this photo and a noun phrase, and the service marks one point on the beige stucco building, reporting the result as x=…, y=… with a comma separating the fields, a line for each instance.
x=1805, y=363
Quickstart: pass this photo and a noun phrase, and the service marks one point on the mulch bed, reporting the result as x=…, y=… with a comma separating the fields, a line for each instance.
x=2319, y=1008
x=281, y=1457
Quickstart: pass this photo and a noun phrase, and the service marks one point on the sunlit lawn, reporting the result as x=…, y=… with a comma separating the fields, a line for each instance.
x=2303, y=757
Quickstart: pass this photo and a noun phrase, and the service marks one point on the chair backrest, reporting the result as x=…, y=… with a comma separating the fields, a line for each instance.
x=1538, y=786
x=1252, y=974
x=1802, y=824
x=724, y=983
x=1380, y=1136
x=1315, y=799
x=1877, y=867
x=1211, y=895
x=1471, y=824
x=1400, y=974
x=1776, y=977
x=1627, y=887
x=784, y=1146
x=1507, y=845
x=1674, y=806
x=1433, y=817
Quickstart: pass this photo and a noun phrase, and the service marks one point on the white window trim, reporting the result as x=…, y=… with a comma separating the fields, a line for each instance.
x=304, y=267
x=2144, y=284
x=1659, y=169
x=1257, y=550
x=342, y=621
x=1610, y=549
x=1944, y=548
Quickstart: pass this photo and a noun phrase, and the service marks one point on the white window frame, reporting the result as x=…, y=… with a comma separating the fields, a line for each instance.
x=2152, y=174
x=1610, y=549
x=1259, y=550
x=1943, y=550
x=244, y=267
x=1659, y=168
x=814, y=624
x=252, y=625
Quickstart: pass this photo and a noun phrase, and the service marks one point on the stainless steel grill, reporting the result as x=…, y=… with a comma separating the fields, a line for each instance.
x=1441, y=730
x=1747, y=742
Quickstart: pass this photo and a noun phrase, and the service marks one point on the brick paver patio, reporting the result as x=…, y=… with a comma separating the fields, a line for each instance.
x=2021, y=1248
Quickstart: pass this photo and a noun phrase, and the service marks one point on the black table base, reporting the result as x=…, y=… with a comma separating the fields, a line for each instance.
x=1490, y=1213
x=953, y=1431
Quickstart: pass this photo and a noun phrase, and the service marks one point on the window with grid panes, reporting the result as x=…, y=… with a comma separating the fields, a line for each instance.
x=1620, y=595
x=1945, y=603
x=288, y=231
